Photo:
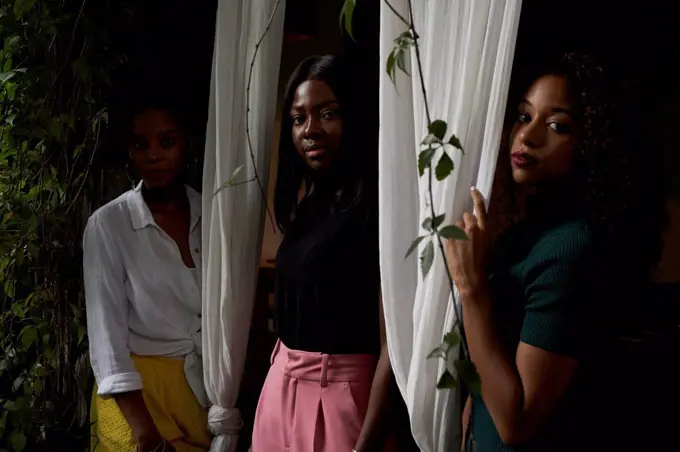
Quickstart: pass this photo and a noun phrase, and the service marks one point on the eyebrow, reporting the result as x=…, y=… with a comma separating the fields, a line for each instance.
x=553, y=109
x=320, y=105
x=162, y=132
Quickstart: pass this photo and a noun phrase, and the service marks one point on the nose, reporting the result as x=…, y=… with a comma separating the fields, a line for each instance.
x=153, y=154
x=312, y=127
x=532, y=134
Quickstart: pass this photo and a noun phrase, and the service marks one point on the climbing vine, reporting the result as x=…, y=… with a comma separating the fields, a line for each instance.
x=56, y=60
x=435, y=163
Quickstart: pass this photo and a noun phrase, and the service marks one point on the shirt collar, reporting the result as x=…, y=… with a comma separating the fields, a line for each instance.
x=141, y=215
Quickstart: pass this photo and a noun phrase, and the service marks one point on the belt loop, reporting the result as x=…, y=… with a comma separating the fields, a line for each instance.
x=324, y=370
x=275, y=351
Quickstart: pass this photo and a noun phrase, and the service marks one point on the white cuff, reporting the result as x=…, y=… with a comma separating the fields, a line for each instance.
x=120, y=383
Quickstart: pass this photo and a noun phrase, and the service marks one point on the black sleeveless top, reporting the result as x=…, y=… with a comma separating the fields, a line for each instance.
x=328, y=279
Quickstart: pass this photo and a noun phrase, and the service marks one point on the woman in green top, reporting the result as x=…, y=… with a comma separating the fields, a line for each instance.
x=531, y=305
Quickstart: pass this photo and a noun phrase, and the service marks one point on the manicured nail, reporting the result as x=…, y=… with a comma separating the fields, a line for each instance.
x=473, y=188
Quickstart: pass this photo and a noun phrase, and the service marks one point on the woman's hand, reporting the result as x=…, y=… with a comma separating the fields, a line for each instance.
x=467, y=258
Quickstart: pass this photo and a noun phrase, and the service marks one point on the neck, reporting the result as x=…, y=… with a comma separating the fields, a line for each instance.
x=174, y=193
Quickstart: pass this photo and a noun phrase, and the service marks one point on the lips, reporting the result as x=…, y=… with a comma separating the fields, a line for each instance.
x=156, y=174
x=523, y=159
x=315, y=151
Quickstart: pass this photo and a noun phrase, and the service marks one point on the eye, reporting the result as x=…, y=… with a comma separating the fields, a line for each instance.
x=138, y=145
x=298, y=120
x=328, y=114
x=559, y=128
x=168, y=142
x=524, y=118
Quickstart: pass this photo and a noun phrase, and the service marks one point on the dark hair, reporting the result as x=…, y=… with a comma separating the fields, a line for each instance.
x=159, y=102
x=620, y=176
x=356, y=166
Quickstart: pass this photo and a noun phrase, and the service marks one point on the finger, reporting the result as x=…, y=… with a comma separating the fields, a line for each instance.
x=480, y=207
x=470, y=221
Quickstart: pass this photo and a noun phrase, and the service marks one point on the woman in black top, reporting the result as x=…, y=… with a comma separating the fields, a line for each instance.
x=330, y=378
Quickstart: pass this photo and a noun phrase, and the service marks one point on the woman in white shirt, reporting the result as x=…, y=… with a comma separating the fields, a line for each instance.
x=143, y=295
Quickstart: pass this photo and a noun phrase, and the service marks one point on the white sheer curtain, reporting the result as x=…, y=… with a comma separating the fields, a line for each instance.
x=233, y=219
x=467, y=48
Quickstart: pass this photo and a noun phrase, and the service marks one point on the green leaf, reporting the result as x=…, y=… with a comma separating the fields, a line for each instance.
x=17, y=441
x=82, y=70
x=55, y=128
x=6, y=76
x=439, y=352
x=430, y=140
x=426, y=258
x=401, y=61
x=414, y=246
x=390, y=67
x=231, y=182
x=69, y=121
x=431, y=225
x=81, y=334
x=21, y=7
x=455, y=142
x=444, y=167
x=451, y=339
x=235, y=173
x=437, y=128
x=29, y=336
x=469, y=375
x=425, y=160
x=78, y=149
x=438, y=220
x=10, y=90
x=346, y=15
x=452, y=232
x=447, y=381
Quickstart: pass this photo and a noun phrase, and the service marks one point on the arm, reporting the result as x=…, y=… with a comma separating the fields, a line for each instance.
x=519, y=393
x=467, y=410
x=107, y=325
x=374, y=431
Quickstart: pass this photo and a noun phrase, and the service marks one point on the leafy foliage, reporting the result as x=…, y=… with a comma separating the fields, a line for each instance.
x=434, y=147
x=56, y=60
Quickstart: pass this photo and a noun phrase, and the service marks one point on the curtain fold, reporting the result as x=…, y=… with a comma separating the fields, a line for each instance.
x=467, y=48
x=233, y=218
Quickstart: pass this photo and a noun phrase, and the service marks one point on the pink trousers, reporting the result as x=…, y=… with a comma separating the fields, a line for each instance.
x=312, y=402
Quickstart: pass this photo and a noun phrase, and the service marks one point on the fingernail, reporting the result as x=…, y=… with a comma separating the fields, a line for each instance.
x=473, y=188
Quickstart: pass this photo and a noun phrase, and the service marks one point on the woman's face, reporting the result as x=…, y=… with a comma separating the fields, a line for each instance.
x=317, y=124
x=544, y=140
x=158, y=148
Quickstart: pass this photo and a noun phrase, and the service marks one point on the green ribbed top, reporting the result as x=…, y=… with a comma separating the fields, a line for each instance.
x=539, y=288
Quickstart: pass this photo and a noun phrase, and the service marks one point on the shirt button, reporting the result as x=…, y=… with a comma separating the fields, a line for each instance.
x=199, y=316
x=195, y=250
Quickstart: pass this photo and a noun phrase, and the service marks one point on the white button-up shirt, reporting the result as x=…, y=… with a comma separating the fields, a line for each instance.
x=141, y=298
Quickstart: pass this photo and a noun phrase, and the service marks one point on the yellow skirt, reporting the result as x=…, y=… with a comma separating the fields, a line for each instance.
x=172, y=405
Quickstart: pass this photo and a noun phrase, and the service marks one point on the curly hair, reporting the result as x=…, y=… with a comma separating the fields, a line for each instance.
x=622, y=184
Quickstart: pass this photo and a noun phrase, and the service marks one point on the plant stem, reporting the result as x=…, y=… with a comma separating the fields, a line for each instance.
x=250, y=144
x=456, y=322
x=396, y=13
